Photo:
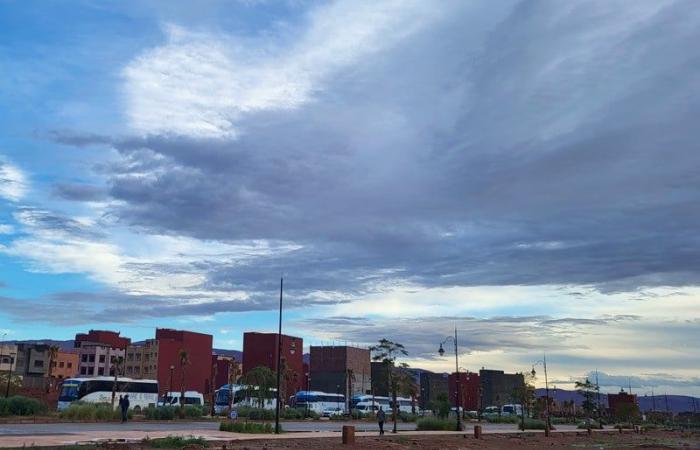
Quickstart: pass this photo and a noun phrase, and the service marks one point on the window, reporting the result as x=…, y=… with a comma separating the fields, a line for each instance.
x=101, y=371
x=38, y=363
x=70, y=365
x=102, y=358
x=84, y=357
x=83, y=370
x=61, y=364
x=112, y=359
x=53, y=363
x=91, y=358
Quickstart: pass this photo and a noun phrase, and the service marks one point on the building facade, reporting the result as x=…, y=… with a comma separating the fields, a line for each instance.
x=469, y=387
x=341, y=369
x=379, y=373
x=432, y=385
x=65, y=365
x=98, y=350
x=141, y=360
x=622, y=403
x=32, y=365
x=196, y=373
x=260, y=350
x=8, y=356
x=499, y=388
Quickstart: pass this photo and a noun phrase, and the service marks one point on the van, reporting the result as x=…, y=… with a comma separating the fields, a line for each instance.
x=193, y=398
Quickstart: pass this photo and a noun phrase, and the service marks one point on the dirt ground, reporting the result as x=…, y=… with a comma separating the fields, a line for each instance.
x=650, y=440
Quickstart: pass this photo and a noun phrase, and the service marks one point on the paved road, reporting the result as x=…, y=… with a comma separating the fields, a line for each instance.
x=69, y=428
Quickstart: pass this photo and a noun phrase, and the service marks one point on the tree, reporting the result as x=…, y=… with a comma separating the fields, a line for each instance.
x=525, y=395
x=406, y=385
x=386, y=352
x=53, y=355
x=588, y=391
x=117, y=363
x=15, y=382
x=441, y=405
x=259, y=383
x=214, y=373
x=184, y=357
x=234, y=371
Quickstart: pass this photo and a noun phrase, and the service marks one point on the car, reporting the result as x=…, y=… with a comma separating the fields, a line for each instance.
x=332, y=412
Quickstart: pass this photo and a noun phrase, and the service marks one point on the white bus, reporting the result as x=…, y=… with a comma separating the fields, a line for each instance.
x=241, y=397
x=405, y=405
x=318, y=401
x=142, y=393
x=367, y=400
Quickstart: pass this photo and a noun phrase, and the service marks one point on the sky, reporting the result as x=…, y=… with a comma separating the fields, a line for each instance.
x=525, y=172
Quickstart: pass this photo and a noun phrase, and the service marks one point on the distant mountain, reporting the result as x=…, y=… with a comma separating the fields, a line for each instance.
x=237, y=354
x=676, y=403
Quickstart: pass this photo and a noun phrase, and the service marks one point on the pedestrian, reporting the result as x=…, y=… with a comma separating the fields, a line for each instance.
x=381, y=417
x=125, y=407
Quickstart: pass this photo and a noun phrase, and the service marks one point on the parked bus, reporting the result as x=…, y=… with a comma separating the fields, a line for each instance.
x=367, y=399
x=404, y=405
x=241, y=397
x=142, y=393
x=318, y=402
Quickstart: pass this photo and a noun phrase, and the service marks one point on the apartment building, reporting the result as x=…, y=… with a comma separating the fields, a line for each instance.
x=260, y=349
x=65, y=365
x=98, y=350
x=341, y=368
x=141, y=360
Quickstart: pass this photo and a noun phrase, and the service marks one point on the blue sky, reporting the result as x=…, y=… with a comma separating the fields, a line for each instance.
x=525, y=171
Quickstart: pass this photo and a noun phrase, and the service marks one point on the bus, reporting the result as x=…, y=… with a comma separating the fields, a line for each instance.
x=318, y=401
x=404, y=404
x=367, y=399
x=142, y=393
x=173, y=399
x=241, y=397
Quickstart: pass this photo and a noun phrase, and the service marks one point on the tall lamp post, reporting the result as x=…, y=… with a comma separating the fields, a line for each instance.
x=441, y=351
x=279, y=363
x=546, y=388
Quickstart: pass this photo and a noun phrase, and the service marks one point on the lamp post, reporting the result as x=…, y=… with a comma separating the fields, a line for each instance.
x=170, y=391
x=441, y=351
x=279, y=363
x=546, y=388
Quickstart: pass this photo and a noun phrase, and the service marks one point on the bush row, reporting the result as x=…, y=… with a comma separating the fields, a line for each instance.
x=92, y=411
x=246, y=427
x=21, y=406
x=175, y=442
x=434, y=423
x=172, y=412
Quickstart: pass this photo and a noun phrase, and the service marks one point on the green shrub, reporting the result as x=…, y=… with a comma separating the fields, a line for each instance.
x=160, y=413
x=503, y=419
x=435, y=423
x=258, y=414
x=246, y=427
x=586, y=424
x=298, y=414
x=193, y=411
x=174, y=442
x=102, y=412
x=18, y=405
x=407, y=417
x=357, y=414
x=533, y=424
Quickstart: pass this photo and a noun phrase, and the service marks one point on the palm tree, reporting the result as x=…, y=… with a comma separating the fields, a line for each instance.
x=117, y=363
x=234, y=371
x=53, y=355
x=259, y=381
x=184, y=361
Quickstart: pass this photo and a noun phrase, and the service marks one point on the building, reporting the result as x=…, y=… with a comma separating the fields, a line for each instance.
x=65, y=365
x=499, y=388
x=141, y=360
x=98, y=350
x=224, y=368
x=260, y=350
x=469, y=389
x=196, y=373
x=340, y=369
x=32, y=365
x=8, y=355
x=622, y=404
x=432, y=385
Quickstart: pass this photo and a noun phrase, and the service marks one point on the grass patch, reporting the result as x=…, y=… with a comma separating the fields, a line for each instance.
x=434, y=423
x=533, y=424
x=101, y=412
x=247, y=427
x=174, y=442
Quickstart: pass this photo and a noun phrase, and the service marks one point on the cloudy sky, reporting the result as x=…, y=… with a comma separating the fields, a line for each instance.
x=527, y=171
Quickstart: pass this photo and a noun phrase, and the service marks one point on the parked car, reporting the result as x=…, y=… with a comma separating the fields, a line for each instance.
x=331, y=412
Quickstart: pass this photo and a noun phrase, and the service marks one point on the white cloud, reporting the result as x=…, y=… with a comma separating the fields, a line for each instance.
x=6, y=229
x=13, y=182
x=199, y=84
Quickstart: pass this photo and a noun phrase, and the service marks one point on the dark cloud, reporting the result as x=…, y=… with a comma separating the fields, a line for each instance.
x=79, y=192
x=40, y=219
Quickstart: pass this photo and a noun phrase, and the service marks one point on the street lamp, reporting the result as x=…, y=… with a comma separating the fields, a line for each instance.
x=441, y=351
x=9, y=374
x=546, y=387
x=170, y=392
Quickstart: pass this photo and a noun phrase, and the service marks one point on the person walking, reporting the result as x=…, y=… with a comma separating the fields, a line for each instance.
x=124, y=404
x=381, y=418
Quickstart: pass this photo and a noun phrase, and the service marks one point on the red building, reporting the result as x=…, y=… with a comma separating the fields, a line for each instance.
x=618, y=403
x=222, y=367
x=469, y=388
x=199, y=350
x=108, y=338
x=260, y=349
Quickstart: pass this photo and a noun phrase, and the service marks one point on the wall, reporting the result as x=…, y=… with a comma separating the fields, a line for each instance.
x=197, y=372
x=431, y=385
x=108, y=338
x=65, y=365
x=141, y=361
x=469, y=388
x=260, y=349
x=498, y=388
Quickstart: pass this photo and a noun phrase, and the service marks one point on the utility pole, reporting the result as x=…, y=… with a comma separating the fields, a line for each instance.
x=279, y=362
x=597, y=388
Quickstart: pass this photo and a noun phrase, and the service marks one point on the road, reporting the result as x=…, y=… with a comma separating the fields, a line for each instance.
x=318, y=425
